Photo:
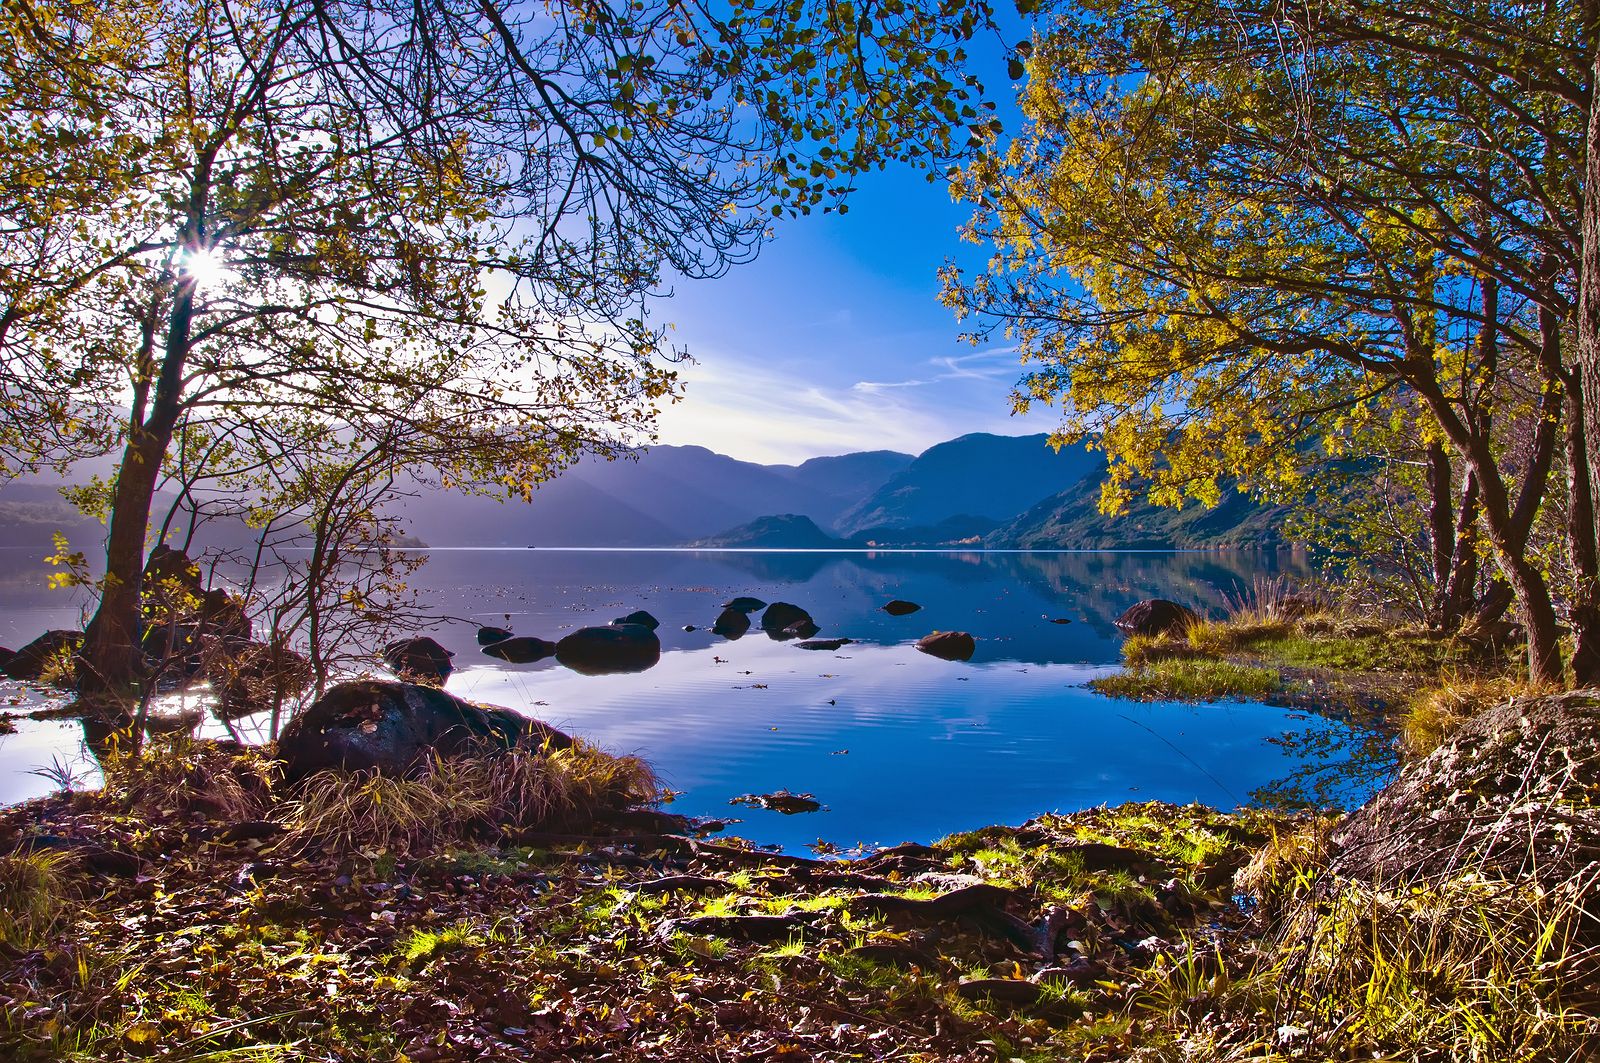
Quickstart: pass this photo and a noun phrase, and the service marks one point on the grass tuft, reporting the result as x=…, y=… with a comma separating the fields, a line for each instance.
x=1436, y=712
x=1196, y=679
x=466, y=798
x=186, y=775
x=34, y=896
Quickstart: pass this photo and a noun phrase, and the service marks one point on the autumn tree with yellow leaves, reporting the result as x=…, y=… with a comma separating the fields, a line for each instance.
x=1230, y=232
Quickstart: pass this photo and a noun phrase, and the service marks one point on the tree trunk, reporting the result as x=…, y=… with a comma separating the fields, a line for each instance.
x=1462, y=583
x=1586, y=382
x=1584, y=613
x=111, y=666
x=1441, y=530
x=1508, y=533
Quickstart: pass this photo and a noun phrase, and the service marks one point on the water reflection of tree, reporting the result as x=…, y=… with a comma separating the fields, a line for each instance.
x=1341, y=765
x=1104, y=583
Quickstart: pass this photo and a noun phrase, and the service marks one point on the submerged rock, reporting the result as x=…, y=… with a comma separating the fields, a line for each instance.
x=783, y=621
x=900, y=607
x=607, y=650
x=488, y=636
x=395, y=728
x=1156, y=616
x=744, y=604
x=419, y=659
x=822, y=644
x=521, y=649
x=640, y=617
x=949, y=645
x=731, y=624
x=780, y=801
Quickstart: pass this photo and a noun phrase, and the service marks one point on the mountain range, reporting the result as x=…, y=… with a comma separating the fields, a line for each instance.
x=1001, y=492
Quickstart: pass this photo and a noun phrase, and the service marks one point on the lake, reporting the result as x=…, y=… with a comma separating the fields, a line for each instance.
x=896, y=744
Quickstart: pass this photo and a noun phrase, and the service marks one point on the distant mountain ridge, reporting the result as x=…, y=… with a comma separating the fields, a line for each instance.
x=978, y=490
x=977, y=475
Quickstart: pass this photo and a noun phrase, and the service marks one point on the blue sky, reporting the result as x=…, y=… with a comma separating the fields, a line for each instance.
x=834, y=339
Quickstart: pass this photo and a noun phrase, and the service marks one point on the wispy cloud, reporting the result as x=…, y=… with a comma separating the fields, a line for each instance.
x=769, y=414
x=872, y=387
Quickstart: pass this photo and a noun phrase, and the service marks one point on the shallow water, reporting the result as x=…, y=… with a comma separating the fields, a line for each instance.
x=896, y=744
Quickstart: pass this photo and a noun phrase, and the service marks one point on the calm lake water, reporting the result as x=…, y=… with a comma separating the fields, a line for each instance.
x=897, y=745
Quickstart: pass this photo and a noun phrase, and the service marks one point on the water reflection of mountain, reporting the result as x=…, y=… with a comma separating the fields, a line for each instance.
x=1005, y=599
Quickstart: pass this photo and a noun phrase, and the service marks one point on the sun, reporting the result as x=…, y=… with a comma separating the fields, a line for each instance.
x=206, y=266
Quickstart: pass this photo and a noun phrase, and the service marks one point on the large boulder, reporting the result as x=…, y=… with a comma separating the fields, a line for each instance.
x=640, y=617
x=949, y=645
x=419, y=659
x=784, y=621
x=521, y=649
x=396, y=728
x=732, y=623
x=900, y=607
x=607, y=650
x=1156, y=616
x=171, y=569
x=1510, y=796
x=30, y=661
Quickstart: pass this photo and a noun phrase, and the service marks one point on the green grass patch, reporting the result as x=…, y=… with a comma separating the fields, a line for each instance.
x=1196, y=679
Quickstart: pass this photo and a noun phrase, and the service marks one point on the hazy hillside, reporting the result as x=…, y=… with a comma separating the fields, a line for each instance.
x=666, y=497
x=976, y=475
x=846, y=478
x=786, y=531
x=1072, y=520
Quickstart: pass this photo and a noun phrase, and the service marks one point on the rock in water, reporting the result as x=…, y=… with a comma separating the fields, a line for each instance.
x=640, y=617
x=731, y=624
x=949, y=645
x=419, y=659
x=521, y=649
x=822, y=644
x=781, y=617
x=900, y=607
x=606, y=650
x=745, y=604
x=780, y=801
x=395, y=728
x=488, y=636
x=29, y=662
x=1156, y=616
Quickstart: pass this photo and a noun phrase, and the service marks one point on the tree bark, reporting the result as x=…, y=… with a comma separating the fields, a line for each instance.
x=1586, y=387
x=1584, y=612
x=1441, y=529
x=1463, y=579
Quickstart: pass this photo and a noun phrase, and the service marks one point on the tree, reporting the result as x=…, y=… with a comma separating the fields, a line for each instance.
x=1218, y=233
x=318, y=219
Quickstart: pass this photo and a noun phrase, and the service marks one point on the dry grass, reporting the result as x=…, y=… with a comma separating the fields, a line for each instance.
x=189, y=775
x=465, y=799
x=34, y=897
x=1285, y=868
x=1436, y=712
